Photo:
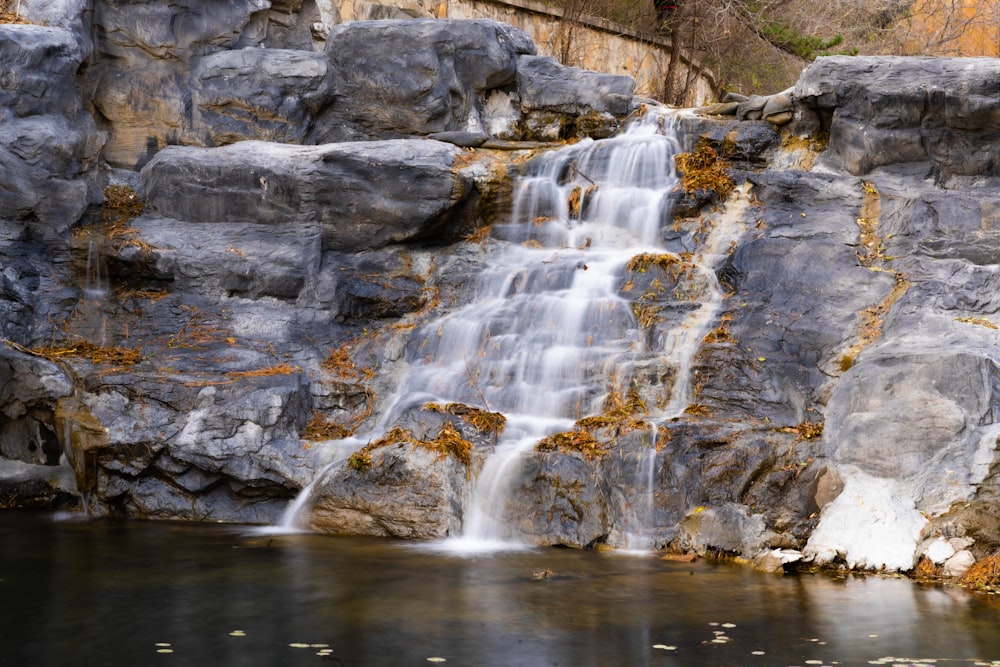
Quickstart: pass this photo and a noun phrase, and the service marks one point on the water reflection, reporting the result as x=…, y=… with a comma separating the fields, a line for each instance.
x=105, y=593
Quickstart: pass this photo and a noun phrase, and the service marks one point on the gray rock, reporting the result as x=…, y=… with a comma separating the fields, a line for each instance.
x=463, y=139
x=30, y=386
x=752, y=108
x=237, y=259
x=267, y=94
x=555, y=502
x=227, y=450
x=407, y=491
x=48, y=145
x=38, y=487
x=400, y=78
x=884, y=111
x=727, y=528
x=141, y=80
x=364, y=195
x=546, y=85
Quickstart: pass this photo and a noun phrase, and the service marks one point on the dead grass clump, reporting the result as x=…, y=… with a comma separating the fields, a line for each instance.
x=619, y=411
x=926, y=570
x=980, y=321
x=643, y=261
x=449, y=442
x=199, y=332
x=97, y=354
x=647, y=315
x=121, y=205
x=806, y=430
x=697, y=410
x=579, y=440
x=704, y=169
x=720, y=334
x=360, y=461
x=7, y=13
x=320, y=428
x=984, y=575
x=267, y=371
x=485, y=421
x=480, y=236
x=340, y=363
x=624, y=405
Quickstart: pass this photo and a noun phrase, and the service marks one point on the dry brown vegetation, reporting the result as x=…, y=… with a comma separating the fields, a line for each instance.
x=761, y=46
x=984, y=575
x=806, y=430
x=97, y=354
x=579, y=440
x=704, y=169
x=447, y=442
x=8, y=12
x=340, y=363
x=484, y=420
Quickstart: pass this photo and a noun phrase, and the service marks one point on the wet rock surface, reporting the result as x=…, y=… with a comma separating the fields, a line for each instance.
x=203, y=355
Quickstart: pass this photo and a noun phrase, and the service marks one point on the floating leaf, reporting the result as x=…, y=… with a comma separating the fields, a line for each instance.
x=237, y=633
x=298, y=645
x=436, y=659
x=664, y=647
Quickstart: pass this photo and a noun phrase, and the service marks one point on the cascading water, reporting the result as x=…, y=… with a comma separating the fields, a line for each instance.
x=549, y=331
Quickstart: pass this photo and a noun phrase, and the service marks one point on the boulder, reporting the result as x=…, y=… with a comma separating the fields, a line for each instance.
x=400, y=78
x=30, y=386
x=404, y=490
x=225, y=449
x=944, y=112
x=267, y=94
x=236, y=259
x=559, y=101
x=49, y=146
x=152, y=46
x=363, y=194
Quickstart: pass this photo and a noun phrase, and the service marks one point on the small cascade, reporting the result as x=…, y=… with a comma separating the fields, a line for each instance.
x=291, y=520
x=551, y=331
x=90, y=321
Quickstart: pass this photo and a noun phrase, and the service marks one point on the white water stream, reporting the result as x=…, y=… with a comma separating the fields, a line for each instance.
x=549, y=331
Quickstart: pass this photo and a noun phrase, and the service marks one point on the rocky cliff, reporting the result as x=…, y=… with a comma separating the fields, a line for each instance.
x=286, y=229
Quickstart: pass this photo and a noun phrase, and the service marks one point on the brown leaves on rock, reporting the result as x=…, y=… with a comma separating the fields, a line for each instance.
x=447, y=442
x=704, y=169
x=579, y=440
x=7, y=13
x=97, y=354
x=340, y=363
x=806, y=430
x=485, y=421
x=984, y=575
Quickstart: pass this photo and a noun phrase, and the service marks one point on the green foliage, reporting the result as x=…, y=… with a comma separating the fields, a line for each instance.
x=788, y=38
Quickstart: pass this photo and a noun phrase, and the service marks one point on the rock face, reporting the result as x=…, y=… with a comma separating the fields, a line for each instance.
x=434, y=79
x=49, y=147
x=362, y=194
x=304, y=244
x=885, y=111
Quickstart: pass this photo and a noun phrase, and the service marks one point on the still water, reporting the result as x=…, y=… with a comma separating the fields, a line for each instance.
x=115, y=593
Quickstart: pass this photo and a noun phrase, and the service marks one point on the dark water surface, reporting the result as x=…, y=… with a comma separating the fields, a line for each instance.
x=106, y=593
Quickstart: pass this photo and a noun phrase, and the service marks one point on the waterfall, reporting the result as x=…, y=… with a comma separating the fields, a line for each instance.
x=550, y=329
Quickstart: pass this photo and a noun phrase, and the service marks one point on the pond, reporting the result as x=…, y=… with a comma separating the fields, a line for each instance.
x=128, y=593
